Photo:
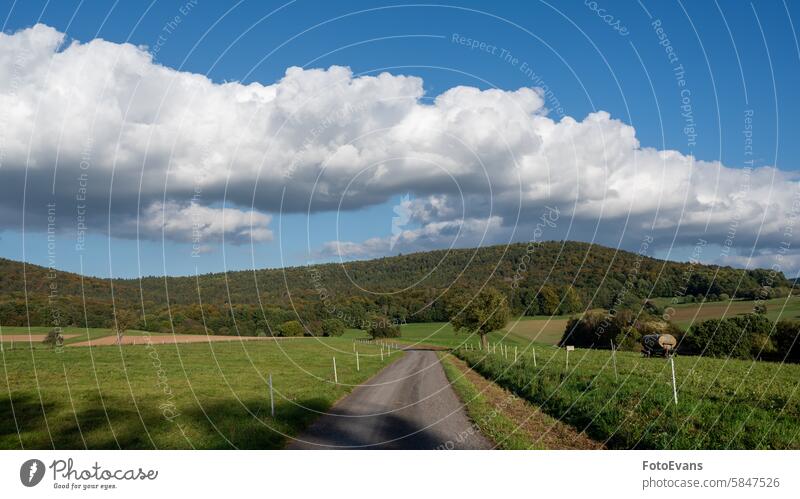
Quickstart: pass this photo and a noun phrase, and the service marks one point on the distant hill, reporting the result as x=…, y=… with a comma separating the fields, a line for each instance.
x=548, y=278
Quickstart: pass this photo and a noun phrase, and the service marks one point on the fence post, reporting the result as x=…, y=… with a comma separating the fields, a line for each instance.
x=533, y=350
x=358, y=366
x=515, y=354
x=335, y=376
x=614, y=360
x=674, y=386
x=271, y=398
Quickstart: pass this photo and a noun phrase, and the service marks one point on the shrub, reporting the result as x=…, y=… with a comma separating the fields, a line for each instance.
x=382, y=327
x=291, y=328
x=313, y=328
x=740, y=337
x=54, y=338
x=624, y=328
x=787, y=340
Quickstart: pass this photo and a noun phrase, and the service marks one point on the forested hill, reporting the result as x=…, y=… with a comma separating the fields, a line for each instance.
x=550, y=277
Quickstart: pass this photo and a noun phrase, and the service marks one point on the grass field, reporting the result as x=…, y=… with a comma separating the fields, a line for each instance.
x=442, y=334
x=173, y=396
x=539, y=329
x=722, y=404
x=82, y=334
x=685, y=314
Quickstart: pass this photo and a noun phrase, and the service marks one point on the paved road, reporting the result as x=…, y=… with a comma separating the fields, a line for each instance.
x=408, y=405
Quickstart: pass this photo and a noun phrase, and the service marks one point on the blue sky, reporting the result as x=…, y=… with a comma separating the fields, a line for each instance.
x=738, y=58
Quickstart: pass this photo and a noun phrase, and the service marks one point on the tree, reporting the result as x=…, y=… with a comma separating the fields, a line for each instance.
x=332, y=327
x=548, y=301
x=382, y=327
x=571, y=302
x=123, y=321
x=486, y=312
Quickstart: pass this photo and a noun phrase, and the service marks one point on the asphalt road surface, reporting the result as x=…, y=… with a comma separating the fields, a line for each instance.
x=408, y=405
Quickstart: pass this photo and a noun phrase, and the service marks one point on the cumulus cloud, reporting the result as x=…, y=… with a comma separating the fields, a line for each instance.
x=326, y=139
x=433, y=235
x=196, y=224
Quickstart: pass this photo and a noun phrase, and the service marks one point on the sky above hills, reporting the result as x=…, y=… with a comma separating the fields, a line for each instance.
x=192, y=137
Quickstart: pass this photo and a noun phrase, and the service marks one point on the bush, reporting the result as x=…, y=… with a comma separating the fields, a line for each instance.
x=54, y=338
x=624, y=328
x=787, y=340
x=291, y=328
x=313, y=328
x=382, y=327
x=332, y=327
x=742, y=337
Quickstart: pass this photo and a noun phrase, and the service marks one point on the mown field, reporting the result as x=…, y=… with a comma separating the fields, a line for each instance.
x=81, y=334
x=442, y=334
x=685, y=314
x=173, y=396
x=722, y=404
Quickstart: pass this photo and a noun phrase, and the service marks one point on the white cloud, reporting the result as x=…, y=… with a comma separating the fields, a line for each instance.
x=434, y=235
x=332, y=139
x=201, y=224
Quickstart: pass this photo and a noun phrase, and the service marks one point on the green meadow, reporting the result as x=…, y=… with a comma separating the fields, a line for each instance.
x=185, y=396
x=733, y=404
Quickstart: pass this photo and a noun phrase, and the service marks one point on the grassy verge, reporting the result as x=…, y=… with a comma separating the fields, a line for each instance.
x=491, y=422
x=174, y=396
x=734, y=404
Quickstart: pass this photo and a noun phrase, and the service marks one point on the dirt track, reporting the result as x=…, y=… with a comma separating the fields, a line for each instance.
x=166, y=339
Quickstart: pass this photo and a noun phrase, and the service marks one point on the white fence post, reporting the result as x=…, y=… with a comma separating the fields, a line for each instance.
x=674, y=386
x=271, y=398
x=533, y=351
x=358, y=366
x=335, y=376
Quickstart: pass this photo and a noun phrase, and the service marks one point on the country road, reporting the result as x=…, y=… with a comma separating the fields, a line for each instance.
x=408, y=405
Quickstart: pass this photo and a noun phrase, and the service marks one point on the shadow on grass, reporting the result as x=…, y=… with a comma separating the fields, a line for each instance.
x=115, y=422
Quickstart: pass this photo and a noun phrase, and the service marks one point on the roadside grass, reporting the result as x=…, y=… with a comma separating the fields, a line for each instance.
x=184, y=396
x=491, y=422
x=732, y=404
